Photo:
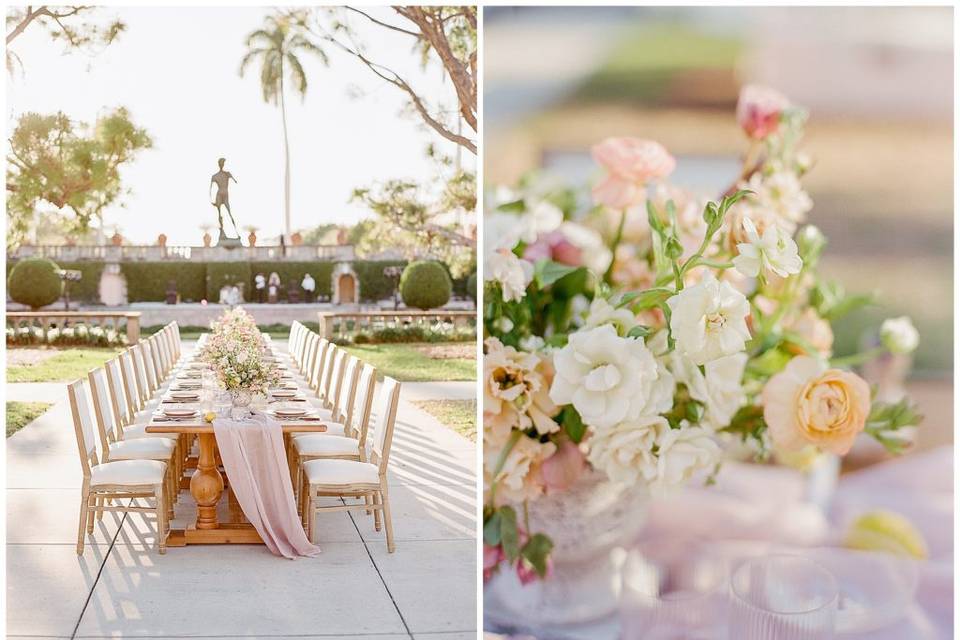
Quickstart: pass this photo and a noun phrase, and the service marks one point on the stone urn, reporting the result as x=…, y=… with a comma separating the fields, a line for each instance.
x=116, y=239
x=252, y=238
x=162, y=240
x=591, y=525
x=207, y=239
x=296, y=239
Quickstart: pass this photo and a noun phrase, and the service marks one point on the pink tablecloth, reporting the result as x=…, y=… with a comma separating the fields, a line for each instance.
x=254, y=459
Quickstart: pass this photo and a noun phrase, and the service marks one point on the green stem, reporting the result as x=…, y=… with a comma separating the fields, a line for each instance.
x=715, y=265
x=858, y=358
x=608, y=276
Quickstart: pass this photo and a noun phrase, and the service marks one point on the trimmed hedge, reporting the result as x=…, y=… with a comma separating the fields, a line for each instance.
x=88, y=289
x=35, y=282
x=425, y=284
x=373, y=285
x=147, y=281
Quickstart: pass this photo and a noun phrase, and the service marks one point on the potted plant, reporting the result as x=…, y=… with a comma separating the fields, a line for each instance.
x=162, y=240
x=296, y=239
x=207, y=238
x=251, y=235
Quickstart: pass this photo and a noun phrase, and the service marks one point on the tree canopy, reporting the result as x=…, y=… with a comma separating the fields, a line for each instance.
x=79, y=28
x=71, y=166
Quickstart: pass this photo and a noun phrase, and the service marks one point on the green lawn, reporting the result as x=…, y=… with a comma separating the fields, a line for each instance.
x=407, y=363
x=459, y=415
x=68, y=365
x=20, y=414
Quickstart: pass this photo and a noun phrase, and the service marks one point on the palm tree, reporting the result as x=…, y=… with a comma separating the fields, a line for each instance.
x=276, y=47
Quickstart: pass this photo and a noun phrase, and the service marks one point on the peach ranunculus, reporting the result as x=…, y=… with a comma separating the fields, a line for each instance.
x=759, y=109
x=516, y=389
x=809, y=404
x=630, y=164
x=814, y=330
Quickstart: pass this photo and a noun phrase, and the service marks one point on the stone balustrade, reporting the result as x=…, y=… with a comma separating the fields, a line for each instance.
x=340, y=324
x=128, y=321
x=156, y=253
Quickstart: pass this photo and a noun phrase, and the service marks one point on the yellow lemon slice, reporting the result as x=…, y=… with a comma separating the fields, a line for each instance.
x=886, y=531
x=209, y=416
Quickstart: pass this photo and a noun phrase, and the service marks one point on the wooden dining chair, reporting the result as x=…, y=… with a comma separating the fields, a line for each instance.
x=163, y=449
x=349, y=478
x=159, y=375
x=313, y=346
x=143, y=379
x=330, y=389
x=295, y=328
x=111, y=486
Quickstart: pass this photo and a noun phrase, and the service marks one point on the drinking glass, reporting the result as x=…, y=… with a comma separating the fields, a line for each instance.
x=782, y=597
x=673, y=603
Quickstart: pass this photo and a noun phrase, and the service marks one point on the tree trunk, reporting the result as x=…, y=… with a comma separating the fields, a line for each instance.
x=286, y=161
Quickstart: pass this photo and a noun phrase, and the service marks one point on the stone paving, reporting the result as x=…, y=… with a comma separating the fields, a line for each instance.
x=121, y=587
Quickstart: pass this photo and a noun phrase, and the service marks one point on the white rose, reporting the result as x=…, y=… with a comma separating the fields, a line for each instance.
x=500, y=231
x=513, y=273
x=542, y=218
x=708, y=320
x=773, y=251
x=602, y=312
x=625, y=451
x=718, y=388
x=899, y=335
x=608, y=379
x=681, y=453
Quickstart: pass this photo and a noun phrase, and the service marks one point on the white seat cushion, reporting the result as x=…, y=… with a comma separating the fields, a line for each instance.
x=341, y=472
x=318, y=444
x=135, y=431
x=142, y=449
x=128, y=472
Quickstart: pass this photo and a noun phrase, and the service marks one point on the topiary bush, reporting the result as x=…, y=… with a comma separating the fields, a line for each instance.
x=425, y=284
x=35, y=282
x=472, y=287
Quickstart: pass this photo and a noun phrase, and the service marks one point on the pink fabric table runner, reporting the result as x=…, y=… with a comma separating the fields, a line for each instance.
x=255, y=461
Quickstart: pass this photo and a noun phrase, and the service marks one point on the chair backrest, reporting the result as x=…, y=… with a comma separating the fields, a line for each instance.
x=309, y=352
x=131, y=386
x=343, y=410
x=326, y=374
x=83, y=425
x=386, y=419
x=336, y=378
x=118, y=396
x=362, y=403
x=176, y=339
x=101, y=410
x=316, y=371
x=299, y=345
x=158, y=372
x=163, y=351
x=139, y=365
x=146, y=354
x=294, y=332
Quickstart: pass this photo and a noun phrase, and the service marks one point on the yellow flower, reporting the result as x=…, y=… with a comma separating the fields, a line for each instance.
x=809, y=404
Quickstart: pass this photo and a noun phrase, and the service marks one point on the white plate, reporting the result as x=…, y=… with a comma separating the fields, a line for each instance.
x=289, y=413
x=284, y=393
x=179, y=413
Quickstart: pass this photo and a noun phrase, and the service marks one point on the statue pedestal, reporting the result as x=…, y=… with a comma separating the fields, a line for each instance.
x=227, y=242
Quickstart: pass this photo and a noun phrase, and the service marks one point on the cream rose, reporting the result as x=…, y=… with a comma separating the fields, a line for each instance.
x=515, y=392
x=809, y=404
x=625, y=451
x=513, y=273
x=708, y=320
x=681, y=453
x=519, y=479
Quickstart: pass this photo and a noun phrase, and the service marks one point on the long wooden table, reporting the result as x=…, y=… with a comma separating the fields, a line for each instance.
x=207, y=484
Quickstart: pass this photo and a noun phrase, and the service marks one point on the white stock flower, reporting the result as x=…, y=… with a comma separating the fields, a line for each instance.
x=681, y=453
x=513, y=273
x=782, y=193
x=773, y=251
x=500, y=231
x=602, y=312
x=606, y=378
x=708, y=320
x=899, y=335
x=625, y=451
x=543, y=217
x=718, y=388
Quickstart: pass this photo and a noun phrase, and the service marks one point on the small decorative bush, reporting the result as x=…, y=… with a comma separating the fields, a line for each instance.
x=472, y=287
x=35, y=282
x=78, y=335
x=425, y=285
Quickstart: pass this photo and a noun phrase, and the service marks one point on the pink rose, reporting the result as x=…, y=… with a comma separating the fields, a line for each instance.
x=554, y=246
x=630, y=164
x=759, y=110
x=527, y=573
x=561, y=470
x=492, y=557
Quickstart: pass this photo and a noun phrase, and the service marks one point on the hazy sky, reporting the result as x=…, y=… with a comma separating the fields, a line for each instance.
x=176, y=69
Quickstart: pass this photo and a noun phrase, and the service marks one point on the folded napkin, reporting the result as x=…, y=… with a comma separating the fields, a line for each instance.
x=255, y=460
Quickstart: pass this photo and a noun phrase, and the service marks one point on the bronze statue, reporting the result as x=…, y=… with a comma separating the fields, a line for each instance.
x=222, y=180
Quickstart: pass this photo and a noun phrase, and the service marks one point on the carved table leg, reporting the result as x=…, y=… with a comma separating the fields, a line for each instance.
x=206, y=485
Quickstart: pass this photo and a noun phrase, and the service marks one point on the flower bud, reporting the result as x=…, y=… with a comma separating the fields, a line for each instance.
x=899, y=335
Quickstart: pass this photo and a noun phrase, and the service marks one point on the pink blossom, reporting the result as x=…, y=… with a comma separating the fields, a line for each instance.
x=630, y=164
x=759, y=109
x=554, y=246
x=528, y=573
x=492, y=557
x=561, y=470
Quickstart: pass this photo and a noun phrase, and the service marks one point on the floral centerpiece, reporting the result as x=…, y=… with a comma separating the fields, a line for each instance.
x=652, y=334
x=235, y=349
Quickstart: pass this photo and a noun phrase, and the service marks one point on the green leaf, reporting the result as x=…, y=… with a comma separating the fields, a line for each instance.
x=546, y=272
x=654, y=219
x=639, y=331
x=647, y=299
x=536, y=551
x=516, y=206
x=768, y=363
x=509, y=536
x=572, y=424
x=491, y=529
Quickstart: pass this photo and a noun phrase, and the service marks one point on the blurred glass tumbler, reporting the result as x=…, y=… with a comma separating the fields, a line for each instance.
x=691, y=605
x=782, y=597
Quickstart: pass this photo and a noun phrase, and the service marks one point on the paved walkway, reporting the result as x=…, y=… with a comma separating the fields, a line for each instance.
x=121, y=587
